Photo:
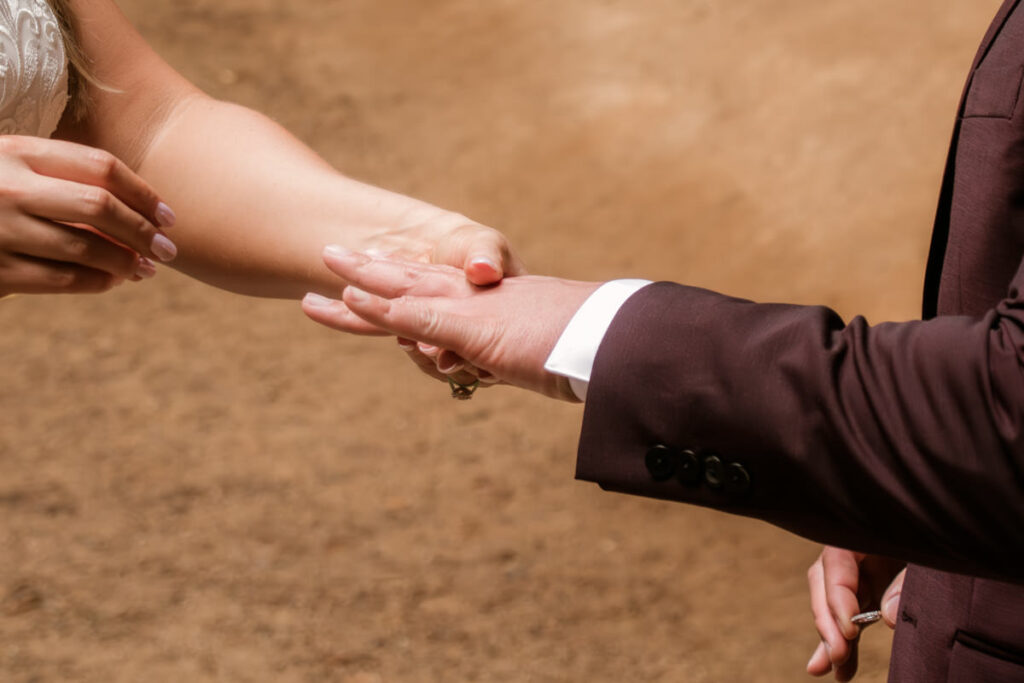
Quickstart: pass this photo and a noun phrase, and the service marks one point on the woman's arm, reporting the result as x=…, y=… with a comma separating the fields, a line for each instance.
x=254, y=205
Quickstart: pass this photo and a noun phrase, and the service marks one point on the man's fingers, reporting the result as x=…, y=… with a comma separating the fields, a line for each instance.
x=848, y=669
x=336, y=315
x=836, y=645
x=96, y=167
x=819, y=664
x=391, y=279
x=891, y=599
x=842, y=579
x=408, y=317
x=422, y=361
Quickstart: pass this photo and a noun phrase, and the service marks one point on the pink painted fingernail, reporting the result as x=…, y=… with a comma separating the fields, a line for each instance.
x=407, y=347
x=428, y=349
x=165, y=216
x=146, y=268
x=316, y=301
x=163, y=248
x=484, y=261
x=356, y=295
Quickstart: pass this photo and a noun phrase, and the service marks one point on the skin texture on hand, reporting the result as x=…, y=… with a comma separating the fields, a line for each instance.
x=506, y=330
x=75, y=219
x=843, y=583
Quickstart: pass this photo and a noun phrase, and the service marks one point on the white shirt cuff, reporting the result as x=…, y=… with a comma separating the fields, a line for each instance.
x=573, y=355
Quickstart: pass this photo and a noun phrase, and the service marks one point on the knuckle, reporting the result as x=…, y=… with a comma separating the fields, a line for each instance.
x=12, y=145
x=104, y=165
x=77, y=247
x=97, y=202
x=63, y=278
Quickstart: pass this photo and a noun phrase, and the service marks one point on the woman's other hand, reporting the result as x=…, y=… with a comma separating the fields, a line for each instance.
x=75, y=219
x=449, y=239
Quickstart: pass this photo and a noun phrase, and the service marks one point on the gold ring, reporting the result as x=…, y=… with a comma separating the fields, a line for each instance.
x=463, y=392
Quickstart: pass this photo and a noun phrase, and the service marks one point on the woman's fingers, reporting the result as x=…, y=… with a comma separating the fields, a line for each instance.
x=91, y=166
x=483, y=253
x=27, y=275
x=72, y=202
x=390, y=278
x=56, y=242
x=424, y=362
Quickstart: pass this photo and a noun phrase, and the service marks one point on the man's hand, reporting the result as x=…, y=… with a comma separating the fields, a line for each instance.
x=843, y=583
x=506, y=330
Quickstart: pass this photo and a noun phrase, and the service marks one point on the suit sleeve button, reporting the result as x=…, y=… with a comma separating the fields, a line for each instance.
x=689, y=467
x=714, y=471
x=661, y=462
x=737, y=479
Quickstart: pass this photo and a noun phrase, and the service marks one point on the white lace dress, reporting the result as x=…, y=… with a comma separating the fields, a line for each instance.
x=33, y=69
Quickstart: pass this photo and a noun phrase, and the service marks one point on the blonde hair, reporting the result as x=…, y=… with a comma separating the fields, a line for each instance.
x=79, y=73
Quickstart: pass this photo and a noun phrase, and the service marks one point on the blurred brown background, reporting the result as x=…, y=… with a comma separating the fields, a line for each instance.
x=202, y=487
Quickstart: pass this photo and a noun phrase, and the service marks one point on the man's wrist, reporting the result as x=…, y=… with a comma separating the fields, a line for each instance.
x=574, y=353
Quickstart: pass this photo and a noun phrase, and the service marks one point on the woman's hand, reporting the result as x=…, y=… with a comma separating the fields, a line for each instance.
x=506, y=330
x=449, y=239
x=75, y=219
x=844, y=583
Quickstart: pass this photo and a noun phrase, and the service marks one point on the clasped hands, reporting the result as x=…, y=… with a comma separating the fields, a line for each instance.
x=501, y=332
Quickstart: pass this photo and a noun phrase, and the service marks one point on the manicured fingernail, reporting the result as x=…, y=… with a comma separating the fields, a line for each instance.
x=449, y=370
x=316, y=301
x=428, y=349
x=165, y=216
x=484, y=261
x=356, y=295
x=336, y=250
x=407, y=347
x=146, y=268
x=163, y=248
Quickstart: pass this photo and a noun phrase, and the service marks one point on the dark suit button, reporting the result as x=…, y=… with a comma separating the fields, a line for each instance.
x=689, y=467
x=737, y=479
x=661, y=462
x=714, y=471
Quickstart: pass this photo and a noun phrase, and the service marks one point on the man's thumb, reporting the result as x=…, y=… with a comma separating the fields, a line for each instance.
x=891, y=599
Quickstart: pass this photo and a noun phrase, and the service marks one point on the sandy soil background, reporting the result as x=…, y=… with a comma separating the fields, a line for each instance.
x=199, y=487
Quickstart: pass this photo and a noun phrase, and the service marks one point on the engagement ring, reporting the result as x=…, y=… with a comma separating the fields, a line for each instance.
x=462, y=392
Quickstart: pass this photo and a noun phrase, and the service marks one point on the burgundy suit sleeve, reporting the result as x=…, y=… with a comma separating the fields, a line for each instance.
x=902, y=439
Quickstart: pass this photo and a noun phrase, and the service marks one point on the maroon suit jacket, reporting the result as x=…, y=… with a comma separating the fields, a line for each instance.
x=901, y=439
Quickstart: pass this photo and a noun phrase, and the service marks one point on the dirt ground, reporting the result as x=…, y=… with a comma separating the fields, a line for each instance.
x=199, y=487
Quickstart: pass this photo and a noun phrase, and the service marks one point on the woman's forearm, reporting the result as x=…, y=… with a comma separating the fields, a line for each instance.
x=255, y=206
